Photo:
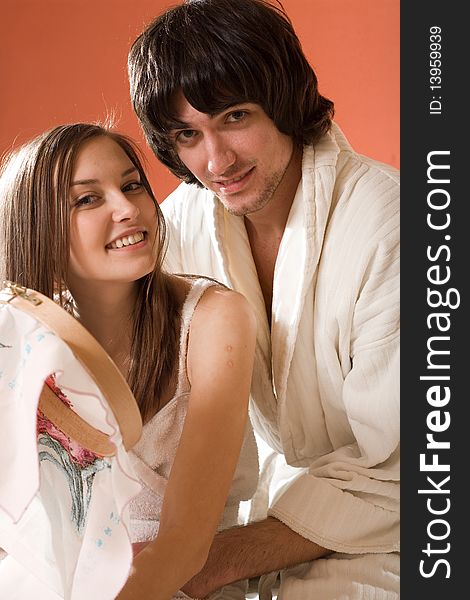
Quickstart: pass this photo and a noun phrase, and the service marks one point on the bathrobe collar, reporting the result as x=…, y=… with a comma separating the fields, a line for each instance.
x=296, y=264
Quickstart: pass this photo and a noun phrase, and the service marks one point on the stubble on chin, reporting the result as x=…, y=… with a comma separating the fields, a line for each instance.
x=242, y=207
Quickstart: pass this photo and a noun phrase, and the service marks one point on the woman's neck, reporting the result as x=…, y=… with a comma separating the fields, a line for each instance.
x=106, y=311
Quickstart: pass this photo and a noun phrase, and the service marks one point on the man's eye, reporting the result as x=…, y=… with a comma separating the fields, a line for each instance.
x=185, y=135
x=237, y=115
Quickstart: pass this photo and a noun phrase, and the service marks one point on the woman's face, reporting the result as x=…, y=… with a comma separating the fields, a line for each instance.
x=113, y=220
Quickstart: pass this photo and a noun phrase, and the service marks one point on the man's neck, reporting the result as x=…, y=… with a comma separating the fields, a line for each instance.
x=265, y=228
x=271, y=220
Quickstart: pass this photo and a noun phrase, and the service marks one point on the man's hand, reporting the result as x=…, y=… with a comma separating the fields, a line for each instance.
x=250, y=551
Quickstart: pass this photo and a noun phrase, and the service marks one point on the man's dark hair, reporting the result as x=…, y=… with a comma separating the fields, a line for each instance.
x=219, y=53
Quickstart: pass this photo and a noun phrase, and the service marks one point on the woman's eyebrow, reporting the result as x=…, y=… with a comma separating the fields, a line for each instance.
x=129, y=171
x=84, y=182
x=88, y=181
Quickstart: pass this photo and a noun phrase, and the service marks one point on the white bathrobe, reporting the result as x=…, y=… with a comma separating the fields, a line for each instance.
x=325, y=392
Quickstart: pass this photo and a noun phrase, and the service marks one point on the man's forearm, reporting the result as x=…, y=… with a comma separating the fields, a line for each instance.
x=250, y=551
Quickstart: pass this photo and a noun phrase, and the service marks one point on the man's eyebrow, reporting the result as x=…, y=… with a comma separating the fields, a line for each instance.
x=177, y=125
x=91, y=181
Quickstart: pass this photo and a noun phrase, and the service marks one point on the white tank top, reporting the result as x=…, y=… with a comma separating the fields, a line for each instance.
x=154, y=453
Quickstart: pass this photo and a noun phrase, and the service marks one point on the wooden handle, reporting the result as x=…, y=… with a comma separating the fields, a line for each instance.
x=65, y=419
x=96, y=362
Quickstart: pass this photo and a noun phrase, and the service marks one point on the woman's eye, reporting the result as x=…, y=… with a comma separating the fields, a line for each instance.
x=85, y=200
x=132, y=186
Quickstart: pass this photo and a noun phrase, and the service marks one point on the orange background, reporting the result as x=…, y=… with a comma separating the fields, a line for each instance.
x=65, y=60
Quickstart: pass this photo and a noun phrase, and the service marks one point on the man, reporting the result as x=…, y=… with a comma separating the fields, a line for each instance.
x=276, y=204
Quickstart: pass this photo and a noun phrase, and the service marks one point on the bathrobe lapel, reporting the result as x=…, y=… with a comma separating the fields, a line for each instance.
x=295, y=270
x=299, y=255
x=239, y=268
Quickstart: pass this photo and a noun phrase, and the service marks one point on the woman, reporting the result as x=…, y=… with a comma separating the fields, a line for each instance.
x=81, y=225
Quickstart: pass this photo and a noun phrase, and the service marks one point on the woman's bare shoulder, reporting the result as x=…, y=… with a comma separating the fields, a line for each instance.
x=223, y=321
x=219, y=303
x=221, y=347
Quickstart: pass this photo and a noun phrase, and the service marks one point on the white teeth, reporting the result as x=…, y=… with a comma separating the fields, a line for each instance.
x=127, y=240
x=234, y=180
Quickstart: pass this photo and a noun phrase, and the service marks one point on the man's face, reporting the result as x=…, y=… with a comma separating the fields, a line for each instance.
x=239, y=154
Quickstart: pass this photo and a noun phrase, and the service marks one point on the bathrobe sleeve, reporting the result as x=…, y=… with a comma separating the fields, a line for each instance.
x=192, y=245
x=347, y=499
x=173, y=261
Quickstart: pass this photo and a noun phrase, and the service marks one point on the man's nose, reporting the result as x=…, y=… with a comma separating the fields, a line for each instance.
x=220, y=156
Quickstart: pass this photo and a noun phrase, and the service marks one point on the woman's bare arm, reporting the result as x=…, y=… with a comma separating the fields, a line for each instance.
x=220, y=363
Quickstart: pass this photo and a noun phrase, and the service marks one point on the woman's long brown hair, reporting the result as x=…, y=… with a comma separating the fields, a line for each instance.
x=35, y=242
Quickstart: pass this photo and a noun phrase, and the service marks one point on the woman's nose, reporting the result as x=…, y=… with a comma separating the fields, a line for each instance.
x=123, y=208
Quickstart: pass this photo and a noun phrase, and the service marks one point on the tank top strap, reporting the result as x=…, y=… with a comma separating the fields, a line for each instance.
x=198, y=287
